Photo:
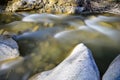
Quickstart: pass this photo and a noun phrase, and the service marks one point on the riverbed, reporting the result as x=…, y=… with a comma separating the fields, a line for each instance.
x=47, y=39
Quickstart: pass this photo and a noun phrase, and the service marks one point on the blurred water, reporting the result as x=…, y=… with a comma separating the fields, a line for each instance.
x=46, y=39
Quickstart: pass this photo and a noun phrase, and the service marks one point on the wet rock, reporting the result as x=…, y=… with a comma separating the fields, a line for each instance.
x=79, y=65
x=113, y=72
x=9, y=55
x=8, y=48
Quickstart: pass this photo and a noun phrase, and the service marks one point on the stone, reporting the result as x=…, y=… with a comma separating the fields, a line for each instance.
x=79, y=65
x=8, y=48
x=24, y=5
x=113, y=71
x=53, y=1
x=90, y=6
x=9, y=55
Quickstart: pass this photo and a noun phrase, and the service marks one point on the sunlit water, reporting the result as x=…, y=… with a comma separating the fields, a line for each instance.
x=46, y=39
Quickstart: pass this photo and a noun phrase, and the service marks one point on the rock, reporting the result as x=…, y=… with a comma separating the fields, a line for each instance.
x=53, y=1
x=49, y=6
x=9, y=55
x=79, y=65
x=8, y=48
x=113, y=72
x=60, y=6
x=24, y=5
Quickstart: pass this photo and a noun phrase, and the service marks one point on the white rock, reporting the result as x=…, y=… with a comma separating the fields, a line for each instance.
x=8, y=48
x=7, y=40
x=113, y=72
x=80, y=65
x=7, y=52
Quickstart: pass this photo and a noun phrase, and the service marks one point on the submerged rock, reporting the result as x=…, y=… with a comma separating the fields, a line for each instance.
x=80, y=65
x=113, y=72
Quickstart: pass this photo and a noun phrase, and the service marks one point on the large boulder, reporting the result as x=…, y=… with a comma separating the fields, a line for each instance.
x=79, y=65
x=8, y=48
x=9, y=55
x=113, y=72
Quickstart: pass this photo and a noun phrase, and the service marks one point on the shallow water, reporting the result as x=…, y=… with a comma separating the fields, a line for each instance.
x=45, y=39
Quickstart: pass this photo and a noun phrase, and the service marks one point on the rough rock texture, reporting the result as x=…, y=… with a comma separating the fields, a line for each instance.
x=115, y=9
x=106, y=6
x=49, y=6
x=61, y=6
x=80, y=65
x=113, y=72
x=8, y=48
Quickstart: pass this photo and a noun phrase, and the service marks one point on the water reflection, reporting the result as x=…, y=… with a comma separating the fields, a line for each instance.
x=45, y=46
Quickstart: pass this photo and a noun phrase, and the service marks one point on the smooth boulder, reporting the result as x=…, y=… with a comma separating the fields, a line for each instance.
x=113, y=72
x=9, y=55
x=79, y=65
x=8, y=48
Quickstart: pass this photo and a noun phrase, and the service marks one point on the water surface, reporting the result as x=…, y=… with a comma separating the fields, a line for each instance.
x=46, y=39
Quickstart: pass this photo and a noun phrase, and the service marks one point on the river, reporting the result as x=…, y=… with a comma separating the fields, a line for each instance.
x=46, y=39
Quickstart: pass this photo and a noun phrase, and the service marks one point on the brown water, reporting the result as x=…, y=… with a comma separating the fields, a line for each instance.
x=45, y=39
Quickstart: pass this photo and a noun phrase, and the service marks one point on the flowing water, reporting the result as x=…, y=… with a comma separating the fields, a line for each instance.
x=46, y=39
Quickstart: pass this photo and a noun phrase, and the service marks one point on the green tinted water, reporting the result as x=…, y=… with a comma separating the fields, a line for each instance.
x=45, y=43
